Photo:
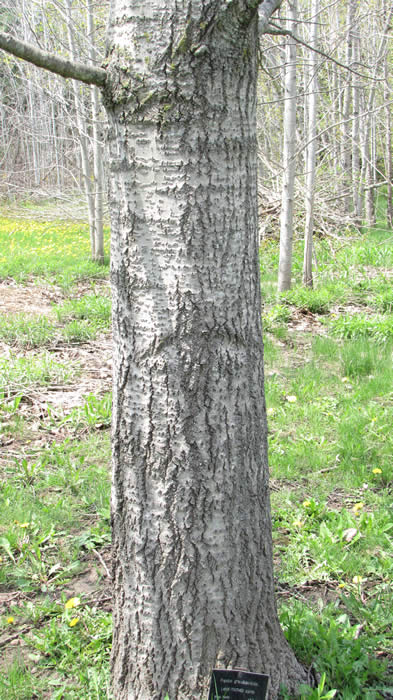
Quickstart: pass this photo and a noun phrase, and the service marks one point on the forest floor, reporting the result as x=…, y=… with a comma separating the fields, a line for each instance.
x=328, y=359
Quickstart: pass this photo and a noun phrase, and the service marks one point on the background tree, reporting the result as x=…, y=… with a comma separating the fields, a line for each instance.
x=289, y=151
x=311, y=146
x=351, y=104
x=55, y=149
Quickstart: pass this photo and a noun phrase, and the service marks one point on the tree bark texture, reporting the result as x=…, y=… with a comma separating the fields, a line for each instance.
x=193, y=580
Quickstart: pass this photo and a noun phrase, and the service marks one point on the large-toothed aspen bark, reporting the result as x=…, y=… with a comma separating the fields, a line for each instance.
x=193, y=579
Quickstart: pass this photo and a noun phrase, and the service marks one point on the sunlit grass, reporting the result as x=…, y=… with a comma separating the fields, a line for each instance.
x=57, y=251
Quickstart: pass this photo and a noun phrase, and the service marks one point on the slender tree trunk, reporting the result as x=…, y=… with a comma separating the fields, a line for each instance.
x=98, y=168
x=82, y=137
x=356, y=163
x=347, y=127
x=289, y=162
x=311, y=148
x=367, y=165
x=388, y=147
x=366, y=176
x=192, y=550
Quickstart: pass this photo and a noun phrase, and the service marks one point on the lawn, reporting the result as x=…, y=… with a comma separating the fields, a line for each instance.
x=329, y=391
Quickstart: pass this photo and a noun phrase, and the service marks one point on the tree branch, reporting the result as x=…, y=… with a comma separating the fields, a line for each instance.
x=274, y=30
x=265, y=10
x=49, y=61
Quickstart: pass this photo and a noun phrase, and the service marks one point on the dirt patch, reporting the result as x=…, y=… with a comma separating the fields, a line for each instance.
x=33, y=298
x=310, y=591
x=97, y=286
x=95, y=580
x=338, y=499
x=93, y=361
x=350, y=309
x=303, y=321
x=29, y=298
x=371, y=272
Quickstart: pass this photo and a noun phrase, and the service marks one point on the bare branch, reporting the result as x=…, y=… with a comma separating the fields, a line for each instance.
x=275, y=30
x=49, y=61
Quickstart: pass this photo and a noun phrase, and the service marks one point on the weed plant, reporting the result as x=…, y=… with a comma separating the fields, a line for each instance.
x=26, y=331
x=17, y=373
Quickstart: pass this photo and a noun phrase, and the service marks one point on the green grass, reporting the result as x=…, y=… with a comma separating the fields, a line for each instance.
x=89, y=307
x=330, y=412
x=29, y=331
x=328, y=356
x=379, y=328
x=318, y=301
x=18, y=373
x=26, y=331
x=47, y=501
x=56, y=251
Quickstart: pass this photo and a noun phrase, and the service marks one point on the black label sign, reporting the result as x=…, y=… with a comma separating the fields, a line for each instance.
x=231, y=684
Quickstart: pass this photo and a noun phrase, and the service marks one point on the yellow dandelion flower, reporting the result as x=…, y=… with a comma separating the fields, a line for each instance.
x=341, y=585
x=72, y=603
x=23, y=524
x=306, y=504
x=298, y=523
x=10, y=620
x=74, y=621
x=357, y=507
x=377, y=470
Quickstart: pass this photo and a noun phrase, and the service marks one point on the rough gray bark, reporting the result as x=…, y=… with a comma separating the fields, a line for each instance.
x=193, y=580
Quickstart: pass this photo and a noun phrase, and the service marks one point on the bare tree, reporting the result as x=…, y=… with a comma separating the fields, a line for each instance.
x=60, y=128
x=289, y=161
x=311, y=146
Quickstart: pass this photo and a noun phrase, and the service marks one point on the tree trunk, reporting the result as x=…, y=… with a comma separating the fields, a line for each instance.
x=98, y=166
x=193, y=580
x=356, y=161
x=82, y=138
x=289, y=162
x=346, y=126
x=388, y=146
x=311, y=148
